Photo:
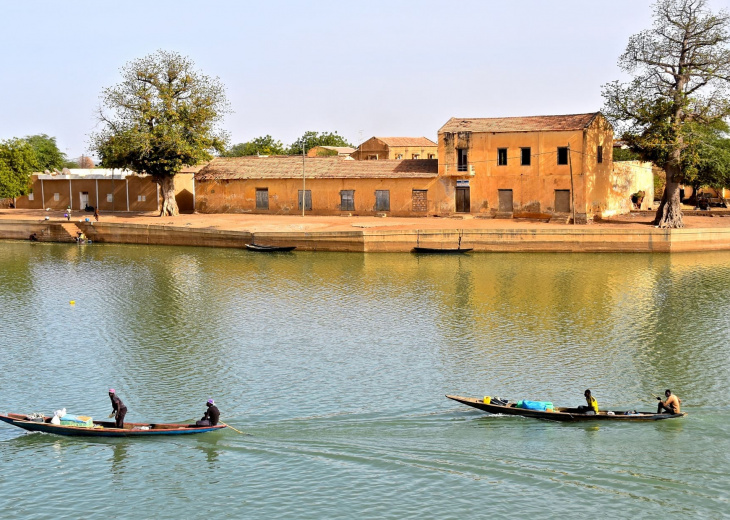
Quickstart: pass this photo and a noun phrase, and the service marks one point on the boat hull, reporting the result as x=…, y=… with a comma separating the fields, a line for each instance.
x=108, y=428
x=563, y=414
x=441, y=250
x=270, y=249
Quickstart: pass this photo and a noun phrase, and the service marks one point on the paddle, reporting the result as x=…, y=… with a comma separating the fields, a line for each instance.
x=232, y=428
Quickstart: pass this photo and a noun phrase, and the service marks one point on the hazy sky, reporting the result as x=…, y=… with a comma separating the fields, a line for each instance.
x=397, y=68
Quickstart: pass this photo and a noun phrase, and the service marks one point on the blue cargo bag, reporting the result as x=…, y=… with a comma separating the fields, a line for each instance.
x=535, y=405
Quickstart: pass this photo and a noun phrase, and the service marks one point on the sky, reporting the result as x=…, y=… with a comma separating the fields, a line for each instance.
x=362, y=69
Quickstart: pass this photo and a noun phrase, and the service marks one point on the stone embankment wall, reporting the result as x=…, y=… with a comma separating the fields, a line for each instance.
x=582, y=239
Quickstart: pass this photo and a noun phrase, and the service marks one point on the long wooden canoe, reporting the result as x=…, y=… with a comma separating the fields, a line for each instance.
x=442, y=250
x=106, y=429
x=269, y=249
x=564, y=414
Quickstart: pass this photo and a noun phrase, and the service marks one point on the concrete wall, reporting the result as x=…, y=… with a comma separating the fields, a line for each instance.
x=239, y=196
x=629, y=177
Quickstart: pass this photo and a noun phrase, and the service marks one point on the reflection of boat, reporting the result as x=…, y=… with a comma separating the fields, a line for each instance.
x=563, y=414
x=105, y=429
x=269, y=249
x=442, y=250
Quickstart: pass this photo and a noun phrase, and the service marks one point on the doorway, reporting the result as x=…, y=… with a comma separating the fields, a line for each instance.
x=562, y=201
x=463, y=200
x=84, y=200
x=505, y=201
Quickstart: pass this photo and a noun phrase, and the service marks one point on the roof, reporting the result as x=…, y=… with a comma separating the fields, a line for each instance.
x=85, y=173
x=290, y=167
x=193, y=169
x=407, y=141
x=338, y=149
x=520, y=124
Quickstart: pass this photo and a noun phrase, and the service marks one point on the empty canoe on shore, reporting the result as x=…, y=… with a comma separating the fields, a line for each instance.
x=105, y=429
x=563, y=414
x=269, y=249
x=442, y=250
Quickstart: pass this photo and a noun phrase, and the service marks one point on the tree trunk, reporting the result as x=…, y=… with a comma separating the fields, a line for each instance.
x=669, y=214
x=169, y=204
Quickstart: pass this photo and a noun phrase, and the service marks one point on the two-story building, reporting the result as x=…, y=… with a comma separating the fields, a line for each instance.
x=532, y=166
x=396, y=148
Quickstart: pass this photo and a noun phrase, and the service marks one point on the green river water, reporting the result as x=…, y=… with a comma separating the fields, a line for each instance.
x=336, y=366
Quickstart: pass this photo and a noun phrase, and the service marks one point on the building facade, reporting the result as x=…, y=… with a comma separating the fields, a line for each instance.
x=330, y=151
x=396, y=148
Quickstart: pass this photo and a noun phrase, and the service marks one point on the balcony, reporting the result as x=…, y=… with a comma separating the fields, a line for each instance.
x=461, y=170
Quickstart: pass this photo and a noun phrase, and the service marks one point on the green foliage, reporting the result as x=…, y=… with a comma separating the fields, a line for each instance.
x=47, y=152
x=17, y=162
x=625, y=154
x=264, y=145
x=160, y=118
x=311, y=139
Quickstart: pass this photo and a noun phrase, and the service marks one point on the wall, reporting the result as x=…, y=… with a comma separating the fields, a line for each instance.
x=239, y=196
x=629, y=177
x=185, y=192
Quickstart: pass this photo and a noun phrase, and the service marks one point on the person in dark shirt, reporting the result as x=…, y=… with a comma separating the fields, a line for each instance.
x=211, y=415
x=118, y=408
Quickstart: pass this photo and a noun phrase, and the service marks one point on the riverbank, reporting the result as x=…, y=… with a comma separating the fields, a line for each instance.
x=706, y=231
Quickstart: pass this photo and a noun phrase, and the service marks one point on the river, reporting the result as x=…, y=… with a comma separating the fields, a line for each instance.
x=335, y=366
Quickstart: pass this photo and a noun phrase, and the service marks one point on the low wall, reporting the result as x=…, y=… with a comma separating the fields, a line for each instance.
x=583, y=239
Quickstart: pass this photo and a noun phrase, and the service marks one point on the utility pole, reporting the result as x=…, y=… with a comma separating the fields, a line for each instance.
x=304, y=180
x=572, y=190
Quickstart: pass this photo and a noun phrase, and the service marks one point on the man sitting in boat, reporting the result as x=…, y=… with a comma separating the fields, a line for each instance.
x=118, y=409
x=211, y=415
x=671, y=405
x=592, y=408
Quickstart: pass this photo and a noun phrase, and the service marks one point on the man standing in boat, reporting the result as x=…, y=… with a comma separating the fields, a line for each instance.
x=671, y=405
x=592, y=408
x=211, y=415
x=118, y=408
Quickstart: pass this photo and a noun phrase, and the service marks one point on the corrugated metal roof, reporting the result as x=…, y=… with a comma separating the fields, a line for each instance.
x=407, y=141
x=290, y=167
x=519, y=124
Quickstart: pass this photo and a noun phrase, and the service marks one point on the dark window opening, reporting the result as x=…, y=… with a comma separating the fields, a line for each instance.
x=526, y=156
x=501, y=156
x=262, y=198
x=347, y=200
x=562, y=155
x=463, y=159
x=599, y=154
x=307, y=200
x=382, y=200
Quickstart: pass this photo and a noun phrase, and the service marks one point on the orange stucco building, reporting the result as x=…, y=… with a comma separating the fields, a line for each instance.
x=530, y=166
x=395, y=148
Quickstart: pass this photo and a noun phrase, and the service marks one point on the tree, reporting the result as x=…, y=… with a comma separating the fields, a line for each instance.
x=47, y=152
x=160, y=118
x=681, y=74
x=311, y=139
x=265, y=145
x=17, y=162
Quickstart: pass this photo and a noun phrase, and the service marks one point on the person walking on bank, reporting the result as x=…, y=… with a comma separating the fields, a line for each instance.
x=119, y=410
x=96, y=214
x=671, y=405
x=592, y=408
x=211, y=415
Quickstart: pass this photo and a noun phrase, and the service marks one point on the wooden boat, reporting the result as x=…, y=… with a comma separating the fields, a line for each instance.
x=442, y=250
x=269, y=249
x=106, y=429
x=564, y=414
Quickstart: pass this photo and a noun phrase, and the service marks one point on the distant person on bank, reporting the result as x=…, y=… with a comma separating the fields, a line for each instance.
x=671, y=405
x=592, y=407
x=211, y=415
x=118, y=408
x=96, y=214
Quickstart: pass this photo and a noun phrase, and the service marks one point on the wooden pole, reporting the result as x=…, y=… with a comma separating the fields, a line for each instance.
x=572, y=189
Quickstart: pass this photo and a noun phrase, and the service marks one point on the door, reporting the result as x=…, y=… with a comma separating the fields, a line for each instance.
x=463, y=202
x=505, y=201
x=562, y=201
x=84, y=200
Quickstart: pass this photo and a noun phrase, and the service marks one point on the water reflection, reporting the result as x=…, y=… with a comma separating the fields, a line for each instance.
x=118, y=459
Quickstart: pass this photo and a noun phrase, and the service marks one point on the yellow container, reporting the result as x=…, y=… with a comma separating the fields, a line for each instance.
x=487, y=399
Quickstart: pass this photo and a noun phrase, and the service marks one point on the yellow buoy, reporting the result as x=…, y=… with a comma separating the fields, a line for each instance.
x=72, y=302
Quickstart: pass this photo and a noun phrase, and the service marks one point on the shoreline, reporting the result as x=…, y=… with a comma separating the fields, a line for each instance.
x=627, y=234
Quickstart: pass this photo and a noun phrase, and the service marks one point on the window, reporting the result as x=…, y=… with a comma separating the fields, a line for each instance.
x=347, y=200
x=30, y=196
x=599, y=154
x=416, y=156
x=420, y=200
x=307, y=200
x=109, y=197
x=141, y=198
x=432, y=156
x=501, y=156
x=372, y=157
x=399, y=156
x=382, y=200
x=526, y=156
x=562, y=155
x=262, y=198
x=462, y=159
x=56, y=196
